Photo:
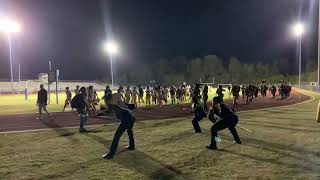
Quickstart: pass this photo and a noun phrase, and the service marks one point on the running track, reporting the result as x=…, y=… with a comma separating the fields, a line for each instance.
x=9, y=123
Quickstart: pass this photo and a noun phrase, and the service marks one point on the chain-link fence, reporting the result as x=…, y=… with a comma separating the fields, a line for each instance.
x=309, y=88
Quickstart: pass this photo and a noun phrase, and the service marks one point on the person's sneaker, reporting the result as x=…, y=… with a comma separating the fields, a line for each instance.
x=211, y=147
x=83, y=130
x=130, y=148
x=238, y=142
x=107, y=156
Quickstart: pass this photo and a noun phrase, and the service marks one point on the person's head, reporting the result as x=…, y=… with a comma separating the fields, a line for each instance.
x=197, y=86
x=120, y=89
x=216, y=100
x=194, y=99
x=83, y=90
x=41, y=86
x=77, y=86
x=128, y=87
x=108, y=87
x=90, y=87
x=67, y=88
x=134, y=88
x=220, y=86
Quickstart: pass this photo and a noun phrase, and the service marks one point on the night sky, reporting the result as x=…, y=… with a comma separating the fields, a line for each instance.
x=71, y=32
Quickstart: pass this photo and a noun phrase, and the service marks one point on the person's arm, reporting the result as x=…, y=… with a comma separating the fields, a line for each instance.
x=86, y=103
x=38, y=98
x=46, y=96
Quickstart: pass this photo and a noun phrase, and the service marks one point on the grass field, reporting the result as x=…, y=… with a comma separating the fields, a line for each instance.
x=285, y=144
x=16, y=104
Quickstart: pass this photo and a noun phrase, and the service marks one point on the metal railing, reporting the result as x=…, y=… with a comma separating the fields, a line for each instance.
x=309, y=88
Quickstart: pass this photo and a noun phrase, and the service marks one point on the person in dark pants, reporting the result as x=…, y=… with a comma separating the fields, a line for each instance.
x=243, y=88
x=196, y=91
x=173, y=95
x=140, y=95
x=80, y=103
x=127, y=122
x=199, y=114
x=148, y=96
x=205, y=97
x=273, y=90
x=289, y=90
x=42, y=102
x=219, y=92
x=227, y=119
x=107, y=95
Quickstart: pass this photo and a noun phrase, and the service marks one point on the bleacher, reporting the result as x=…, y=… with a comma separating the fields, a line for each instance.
x=33, y=85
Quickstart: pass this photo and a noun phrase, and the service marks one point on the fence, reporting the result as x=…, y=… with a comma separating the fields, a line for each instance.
x=33, y=86
x=308, y=87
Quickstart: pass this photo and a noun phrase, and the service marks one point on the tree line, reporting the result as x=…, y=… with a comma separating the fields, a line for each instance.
x=181, y=69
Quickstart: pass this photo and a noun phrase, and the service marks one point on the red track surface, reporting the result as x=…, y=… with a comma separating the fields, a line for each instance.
x=29, y=122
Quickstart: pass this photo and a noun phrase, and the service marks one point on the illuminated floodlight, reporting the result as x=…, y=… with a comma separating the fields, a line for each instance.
x=9, y=26
x=111, y=47
x=297, y=30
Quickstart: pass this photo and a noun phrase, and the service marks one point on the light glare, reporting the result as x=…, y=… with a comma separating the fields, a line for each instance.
x=298, y=29
x=9, y=26
x=111, y=47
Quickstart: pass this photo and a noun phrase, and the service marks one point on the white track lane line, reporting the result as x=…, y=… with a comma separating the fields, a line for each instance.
x=144, y=121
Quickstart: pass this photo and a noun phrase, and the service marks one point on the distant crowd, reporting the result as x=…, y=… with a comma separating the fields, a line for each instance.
x=125, y=101
x=162, y=95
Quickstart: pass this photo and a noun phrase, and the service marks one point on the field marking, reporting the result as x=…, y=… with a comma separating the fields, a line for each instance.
x=146, y=121
x=277, y=107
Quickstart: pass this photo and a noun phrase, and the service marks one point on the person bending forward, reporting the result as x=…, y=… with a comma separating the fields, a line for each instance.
x=228, y=119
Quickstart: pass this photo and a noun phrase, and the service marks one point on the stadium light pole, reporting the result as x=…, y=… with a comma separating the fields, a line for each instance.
x=9, y=27
x=298, y=31
x=111, y=48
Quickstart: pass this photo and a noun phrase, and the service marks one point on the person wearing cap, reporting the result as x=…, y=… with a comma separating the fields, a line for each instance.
x=227, y=119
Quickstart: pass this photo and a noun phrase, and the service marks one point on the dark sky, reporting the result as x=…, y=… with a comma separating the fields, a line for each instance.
x=71, y=32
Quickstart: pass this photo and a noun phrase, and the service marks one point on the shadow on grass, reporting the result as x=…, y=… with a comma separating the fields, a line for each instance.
x=280, y=124
x=280, y=127
x=172, y=139
x=302, y=158
x=270, y=116
x=63, y=132
x=147, y=165
x=279, y=149
x=155, y=124
x=141, y=162
x=289, y=111
x=277, y=161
